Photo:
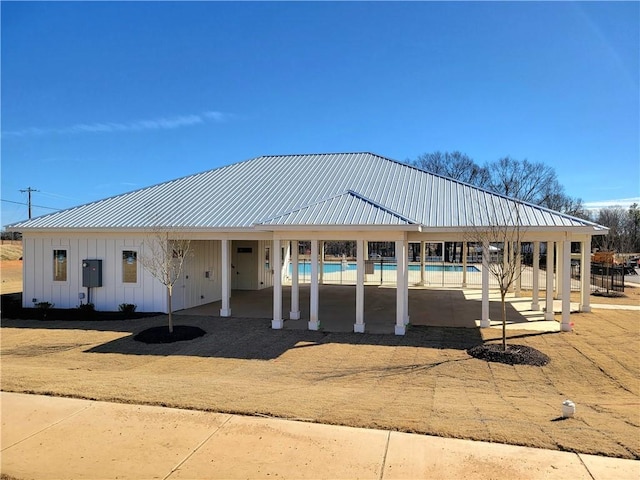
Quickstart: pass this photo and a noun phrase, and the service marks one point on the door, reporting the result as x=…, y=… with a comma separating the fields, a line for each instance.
x=244, y=274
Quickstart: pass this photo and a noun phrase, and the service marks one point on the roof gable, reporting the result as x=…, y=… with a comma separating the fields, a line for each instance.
x=348, y=208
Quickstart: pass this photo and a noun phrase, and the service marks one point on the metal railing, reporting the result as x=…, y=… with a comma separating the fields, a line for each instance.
x=437, y=274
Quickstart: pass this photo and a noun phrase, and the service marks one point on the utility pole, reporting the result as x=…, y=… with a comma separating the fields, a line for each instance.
x=29, y=190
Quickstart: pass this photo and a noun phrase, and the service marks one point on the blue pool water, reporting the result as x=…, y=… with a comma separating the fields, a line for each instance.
x=305, y=268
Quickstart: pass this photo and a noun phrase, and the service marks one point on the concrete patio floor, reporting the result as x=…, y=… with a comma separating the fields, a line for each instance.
x=437, y=307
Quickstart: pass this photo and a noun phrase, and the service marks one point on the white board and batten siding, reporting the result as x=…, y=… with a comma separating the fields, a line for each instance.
x=265, y=275
x=147, y=293
x=201, y=280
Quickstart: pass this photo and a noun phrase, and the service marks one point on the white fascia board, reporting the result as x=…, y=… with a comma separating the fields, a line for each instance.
x=525, y=235
x=341, y=235
x=344, y=228
x=137, y=230
x=559, y=230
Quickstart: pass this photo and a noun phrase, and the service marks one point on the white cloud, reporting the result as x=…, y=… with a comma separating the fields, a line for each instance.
x=162, y=123
x=621, y=202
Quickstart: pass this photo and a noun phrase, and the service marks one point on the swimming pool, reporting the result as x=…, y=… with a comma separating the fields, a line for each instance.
x=304, y=268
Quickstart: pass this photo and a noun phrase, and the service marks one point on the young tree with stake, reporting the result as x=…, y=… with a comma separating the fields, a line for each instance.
x=502, y=228
x=163, y=257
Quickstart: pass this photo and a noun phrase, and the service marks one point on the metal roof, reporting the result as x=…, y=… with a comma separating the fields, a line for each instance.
x=348, y=208
x=348, y=189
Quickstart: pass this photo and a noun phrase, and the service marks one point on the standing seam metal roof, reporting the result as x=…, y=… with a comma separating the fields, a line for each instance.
x=314, y=189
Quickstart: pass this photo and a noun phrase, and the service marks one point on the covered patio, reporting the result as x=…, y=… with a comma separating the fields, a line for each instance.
x=433, y=307
x=246, y=221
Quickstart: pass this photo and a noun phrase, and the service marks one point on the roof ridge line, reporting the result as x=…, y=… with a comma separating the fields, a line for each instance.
x=382, y=207
x=300, y=207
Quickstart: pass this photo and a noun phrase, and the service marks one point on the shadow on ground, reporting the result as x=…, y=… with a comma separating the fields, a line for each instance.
x=250, y=338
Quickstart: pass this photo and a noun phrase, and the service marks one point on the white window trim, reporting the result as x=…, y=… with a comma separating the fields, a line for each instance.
x=120, y=272
x=51, y=259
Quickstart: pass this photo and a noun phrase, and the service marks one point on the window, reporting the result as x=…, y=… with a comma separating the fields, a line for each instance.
x=129, y=266
x=59, y=265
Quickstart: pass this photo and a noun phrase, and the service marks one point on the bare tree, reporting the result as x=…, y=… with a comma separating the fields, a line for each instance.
x=456, y=165
x=163, y=257
x=633, y=228
x=615, y=218
x=527, y=181
x=501, y=227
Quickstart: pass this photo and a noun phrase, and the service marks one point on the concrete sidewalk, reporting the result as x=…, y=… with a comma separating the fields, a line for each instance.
x=52, y=438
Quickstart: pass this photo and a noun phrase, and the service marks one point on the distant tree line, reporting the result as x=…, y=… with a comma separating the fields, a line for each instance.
x=14, y=236
x=536, y=183
x=624, y=229
x=531, y=182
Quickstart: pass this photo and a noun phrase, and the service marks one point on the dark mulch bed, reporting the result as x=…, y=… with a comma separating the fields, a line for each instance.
x=513, y=355
x=162, y=335
x=611, y=294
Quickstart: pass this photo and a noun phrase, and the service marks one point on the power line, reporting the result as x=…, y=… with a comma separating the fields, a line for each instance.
x=22, y=203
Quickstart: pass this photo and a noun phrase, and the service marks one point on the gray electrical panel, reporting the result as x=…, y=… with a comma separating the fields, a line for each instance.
x=92, y=273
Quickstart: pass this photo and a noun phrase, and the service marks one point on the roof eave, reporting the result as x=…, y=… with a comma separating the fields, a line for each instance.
x=350, y=228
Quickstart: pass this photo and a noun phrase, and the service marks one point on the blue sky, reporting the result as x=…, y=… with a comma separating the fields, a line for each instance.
x=104, y=98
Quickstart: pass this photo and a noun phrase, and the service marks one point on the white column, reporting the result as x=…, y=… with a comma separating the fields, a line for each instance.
x=566, y=286
x=422, y=252
x=585, y=274
x=277, y=321
x=401, y=287
x=294, y=314
x=321, y=263
x=535, y=304
x=406, y=283
x=548, y=315
x=314, y=323
x=518, y=272
x=559, y=269
x=464, y=264
x=359, y=325
x=485, y=321
x=225, y=311
x=506, y=252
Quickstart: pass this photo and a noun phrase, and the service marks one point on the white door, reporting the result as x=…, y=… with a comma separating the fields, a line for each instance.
x=244, y=266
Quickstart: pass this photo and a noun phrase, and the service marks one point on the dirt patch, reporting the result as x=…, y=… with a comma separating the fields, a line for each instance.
x=11, y=251
x=424, y=382
x=11, y=274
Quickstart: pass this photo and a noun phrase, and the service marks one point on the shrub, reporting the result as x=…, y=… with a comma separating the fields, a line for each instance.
x=87, y=310
x=44, y=307
x=128, y=309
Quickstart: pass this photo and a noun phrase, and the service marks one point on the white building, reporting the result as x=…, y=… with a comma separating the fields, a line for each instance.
x=243, y=218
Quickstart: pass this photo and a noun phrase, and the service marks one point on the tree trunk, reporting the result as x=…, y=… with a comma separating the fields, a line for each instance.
x=170, y=292
x=504, y=323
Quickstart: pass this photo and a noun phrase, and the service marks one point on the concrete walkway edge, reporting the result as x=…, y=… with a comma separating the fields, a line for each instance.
x=54, y=437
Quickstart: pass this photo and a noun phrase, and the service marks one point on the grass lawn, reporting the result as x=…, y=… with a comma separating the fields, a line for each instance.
x=423, y=382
